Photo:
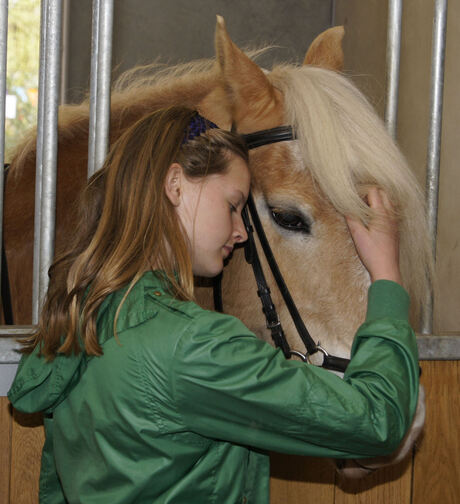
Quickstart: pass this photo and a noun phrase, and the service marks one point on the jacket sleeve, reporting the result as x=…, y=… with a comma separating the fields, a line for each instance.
x=229, y=385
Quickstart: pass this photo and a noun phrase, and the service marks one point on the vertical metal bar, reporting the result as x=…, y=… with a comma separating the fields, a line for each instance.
x=393, y=59
x=52, y=57
x=65, y=50
x=39, y=163
x=434, y=141
x=101, y=58
x=93, y=89
x=333, y=11
x=3, y=49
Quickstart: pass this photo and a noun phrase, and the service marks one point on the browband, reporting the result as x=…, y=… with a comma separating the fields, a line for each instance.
x=269, y=136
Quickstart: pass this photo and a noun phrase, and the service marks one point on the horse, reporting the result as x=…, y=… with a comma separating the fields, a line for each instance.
x=302, y=188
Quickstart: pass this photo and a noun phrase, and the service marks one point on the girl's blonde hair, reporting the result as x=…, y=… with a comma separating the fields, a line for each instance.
x=127, y=226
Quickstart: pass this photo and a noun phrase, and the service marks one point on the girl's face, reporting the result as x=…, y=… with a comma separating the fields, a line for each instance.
x=210, y=211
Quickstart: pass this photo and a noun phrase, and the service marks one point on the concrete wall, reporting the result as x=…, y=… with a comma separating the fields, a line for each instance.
x=182, y=30
x=365, y=44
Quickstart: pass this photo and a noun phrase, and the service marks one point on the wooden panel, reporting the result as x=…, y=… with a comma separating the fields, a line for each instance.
x=27, y=442
x=5, y=450
x=384, y=486
x=437, y=463
x=301, y=479
x=295, y=480
x=432, y=477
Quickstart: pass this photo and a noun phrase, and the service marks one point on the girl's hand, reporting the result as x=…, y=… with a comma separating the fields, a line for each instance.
x=378, y=245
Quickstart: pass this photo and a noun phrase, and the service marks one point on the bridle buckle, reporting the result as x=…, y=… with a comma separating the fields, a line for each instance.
x=306, y=356
x=273, y=325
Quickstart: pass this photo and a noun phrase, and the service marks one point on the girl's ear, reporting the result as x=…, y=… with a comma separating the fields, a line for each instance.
x=173, y=183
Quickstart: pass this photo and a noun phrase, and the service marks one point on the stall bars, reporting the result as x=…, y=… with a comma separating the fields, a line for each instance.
x=430, y=347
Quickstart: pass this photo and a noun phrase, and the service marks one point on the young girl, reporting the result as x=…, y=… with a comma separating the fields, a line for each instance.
x=148, y=398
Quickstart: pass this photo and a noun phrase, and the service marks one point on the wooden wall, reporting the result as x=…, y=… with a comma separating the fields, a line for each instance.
x=430, y=478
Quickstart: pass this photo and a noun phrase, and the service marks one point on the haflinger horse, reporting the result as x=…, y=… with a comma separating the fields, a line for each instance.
x=302, y=188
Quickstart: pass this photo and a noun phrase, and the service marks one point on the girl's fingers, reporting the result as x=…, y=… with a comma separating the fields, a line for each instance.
x=376, y=198
x=354, y=225
x=386, y=201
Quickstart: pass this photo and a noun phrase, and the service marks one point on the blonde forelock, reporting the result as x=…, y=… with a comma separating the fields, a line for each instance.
x=345, y=147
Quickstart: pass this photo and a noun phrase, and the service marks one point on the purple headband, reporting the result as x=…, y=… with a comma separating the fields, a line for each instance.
x=197, y=125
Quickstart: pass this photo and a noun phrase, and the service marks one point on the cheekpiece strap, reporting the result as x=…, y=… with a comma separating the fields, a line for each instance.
x=197, y=126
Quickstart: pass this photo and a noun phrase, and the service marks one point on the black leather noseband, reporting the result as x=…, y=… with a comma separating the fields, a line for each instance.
x=254, y=140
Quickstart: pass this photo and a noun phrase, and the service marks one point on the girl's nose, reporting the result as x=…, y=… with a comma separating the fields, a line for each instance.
x=239, y=231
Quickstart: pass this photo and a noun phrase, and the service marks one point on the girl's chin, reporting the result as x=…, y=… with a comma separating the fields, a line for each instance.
x=210, y=271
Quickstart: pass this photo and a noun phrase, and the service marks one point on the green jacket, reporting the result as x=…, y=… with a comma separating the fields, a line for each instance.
x=183, y=404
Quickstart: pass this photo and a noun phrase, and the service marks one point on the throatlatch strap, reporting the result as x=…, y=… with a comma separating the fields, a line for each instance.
x=217, y=293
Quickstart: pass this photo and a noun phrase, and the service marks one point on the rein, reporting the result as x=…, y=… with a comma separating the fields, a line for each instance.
x=254, y=140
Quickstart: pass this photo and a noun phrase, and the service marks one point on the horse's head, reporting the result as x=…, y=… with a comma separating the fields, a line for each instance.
x=303, y=188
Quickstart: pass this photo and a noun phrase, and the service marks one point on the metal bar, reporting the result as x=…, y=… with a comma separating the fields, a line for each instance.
x=393, y=60
x=101, y=58
x=39, y=163
x=434, y=142
x=93, y=89
x=50, y=144
x=65, y=50
x=333, y=10
x=3, y=49
x=17, y=330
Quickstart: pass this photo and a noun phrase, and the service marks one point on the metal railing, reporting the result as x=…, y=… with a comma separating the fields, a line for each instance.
x=51, y=22
x=393, y=59
x=434, y=136
x=47, y=145
x=434, y=141
x=101, y=64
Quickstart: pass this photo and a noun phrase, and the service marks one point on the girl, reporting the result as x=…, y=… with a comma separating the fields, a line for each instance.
x=148, y=398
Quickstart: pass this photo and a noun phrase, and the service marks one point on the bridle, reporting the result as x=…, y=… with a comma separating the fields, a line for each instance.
x=254, y=140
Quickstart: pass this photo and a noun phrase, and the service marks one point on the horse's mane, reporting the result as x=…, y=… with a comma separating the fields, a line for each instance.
x=136, y=92
x=346, y=147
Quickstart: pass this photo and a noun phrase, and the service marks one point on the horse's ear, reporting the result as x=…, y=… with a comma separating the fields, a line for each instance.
x=326, y=50
x=250, y=94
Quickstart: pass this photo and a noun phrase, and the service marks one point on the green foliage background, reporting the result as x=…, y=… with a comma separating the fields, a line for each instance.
x=22, y=68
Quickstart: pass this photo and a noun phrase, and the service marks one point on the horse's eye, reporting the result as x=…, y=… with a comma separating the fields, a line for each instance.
x=290, y=220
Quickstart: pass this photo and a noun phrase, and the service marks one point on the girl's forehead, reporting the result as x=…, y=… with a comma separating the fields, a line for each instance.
x=238, y=176
x=239, y=168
